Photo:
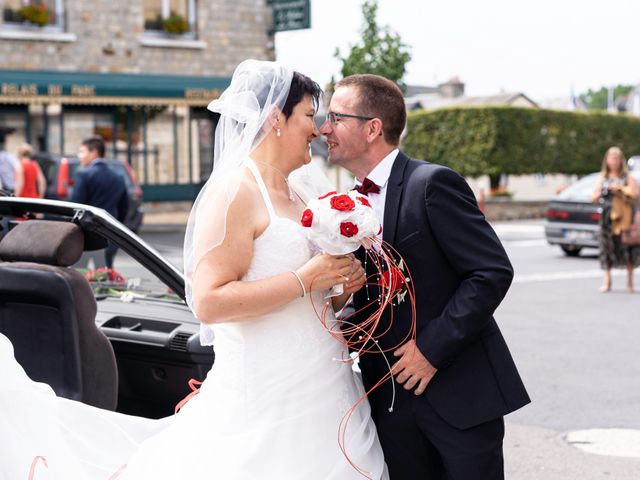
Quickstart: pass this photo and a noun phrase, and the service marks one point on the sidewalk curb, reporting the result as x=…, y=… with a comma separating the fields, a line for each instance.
x=163, y=228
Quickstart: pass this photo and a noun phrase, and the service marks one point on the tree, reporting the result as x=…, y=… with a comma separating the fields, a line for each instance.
x=380, y=51
x=598, y=99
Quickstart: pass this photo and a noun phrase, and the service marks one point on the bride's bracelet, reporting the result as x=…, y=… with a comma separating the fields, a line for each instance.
x=304, y=289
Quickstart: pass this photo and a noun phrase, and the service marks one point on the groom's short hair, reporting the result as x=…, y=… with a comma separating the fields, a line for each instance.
x=381, y=98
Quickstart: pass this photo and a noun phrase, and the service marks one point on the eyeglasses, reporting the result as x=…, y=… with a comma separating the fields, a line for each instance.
x=332, y=117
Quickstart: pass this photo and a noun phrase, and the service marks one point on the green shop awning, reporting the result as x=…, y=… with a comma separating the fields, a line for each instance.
x=39, y=87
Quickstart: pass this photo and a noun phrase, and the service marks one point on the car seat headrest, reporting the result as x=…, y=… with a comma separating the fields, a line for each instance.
x=43, y=241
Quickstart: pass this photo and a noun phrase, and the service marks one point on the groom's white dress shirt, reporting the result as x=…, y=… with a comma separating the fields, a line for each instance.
x=380, y=176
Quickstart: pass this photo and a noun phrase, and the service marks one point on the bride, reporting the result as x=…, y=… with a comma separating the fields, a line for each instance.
x=271, y=406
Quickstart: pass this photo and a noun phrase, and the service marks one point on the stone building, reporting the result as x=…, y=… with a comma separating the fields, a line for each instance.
x=138, y=72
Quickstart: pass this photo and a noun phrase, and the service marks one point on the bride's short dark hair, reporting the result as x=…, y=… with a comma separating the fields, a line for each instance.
x=301, y=85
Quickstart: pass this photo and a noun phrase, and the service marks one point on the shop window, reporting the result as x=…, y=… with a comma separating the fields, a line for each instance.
x=170, y=17
x=167, y=146
x=29, y=14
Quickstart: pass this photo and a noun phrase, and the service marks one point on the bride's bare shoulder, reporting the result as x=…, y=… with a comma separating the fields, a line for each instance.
x=247, y=204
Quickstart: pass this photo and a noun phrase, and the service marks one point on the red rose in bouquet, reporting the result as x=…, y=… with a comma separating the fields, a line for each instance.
x=307, y=218
x=343, y=203
x=348, y=229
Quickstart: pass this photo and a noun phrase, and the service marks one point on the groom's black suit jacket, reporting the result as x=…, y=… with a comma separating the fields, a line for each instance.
x=460, y=274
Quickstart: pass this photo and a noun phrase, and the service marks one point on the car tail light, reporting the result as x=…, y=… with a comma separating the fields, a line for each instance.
x=595, y=216
x=561, y=214
x=62, y=188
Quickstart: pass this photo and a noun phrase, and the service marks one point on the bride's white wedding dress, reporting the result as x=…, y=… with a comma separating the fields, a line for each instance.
x=269, y=409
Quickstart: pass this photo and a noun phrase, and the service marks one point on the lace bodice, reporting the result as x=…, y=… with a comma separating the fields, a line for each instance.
x=282, y=247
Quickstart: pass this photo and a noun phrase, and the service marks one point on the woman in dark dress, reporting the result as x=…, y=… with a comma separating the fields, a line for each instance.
x=615, y=180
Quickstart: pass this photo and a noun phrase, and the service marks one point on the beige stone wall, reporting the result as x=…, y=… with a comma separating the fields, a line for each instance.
x=108, y=40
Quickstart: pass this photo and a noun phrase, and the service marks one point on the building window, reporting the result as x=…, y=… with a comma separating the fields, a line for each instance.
x=170, y=17
x=43, y=14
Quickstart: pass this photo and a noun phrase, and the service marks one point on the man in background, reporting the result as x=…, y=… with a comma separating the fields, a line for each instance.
x=97, y=185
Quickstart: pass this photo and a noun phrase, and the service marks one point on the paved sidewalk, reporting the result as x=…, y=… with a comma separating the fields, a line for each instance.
x=165, y=221
x=533, y=453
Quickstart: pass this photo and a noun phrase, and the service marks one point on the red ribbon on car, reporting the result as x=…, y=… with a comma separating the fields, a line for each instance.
x=32, y=470
x=193, y=384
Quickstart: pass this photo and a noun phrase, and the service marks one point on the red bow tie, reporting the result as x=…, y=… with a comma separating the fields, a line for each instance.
x=367, y=187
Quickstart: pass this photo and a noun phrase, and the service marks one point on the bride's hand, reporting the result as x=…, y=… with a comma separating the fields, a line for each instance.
x=324, y=271
x=357, y=277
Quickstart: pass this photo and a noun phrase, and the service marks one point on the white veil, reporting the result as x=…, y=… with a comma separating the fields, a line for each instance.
x=257, y=89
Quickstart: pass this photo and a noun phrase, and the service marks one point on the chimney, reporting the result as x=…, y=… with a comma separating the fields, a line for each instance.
x=451, y=88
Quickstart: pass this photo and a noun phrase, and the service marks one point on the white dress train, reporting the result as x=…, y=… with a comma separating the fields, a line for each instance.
x=269, y=408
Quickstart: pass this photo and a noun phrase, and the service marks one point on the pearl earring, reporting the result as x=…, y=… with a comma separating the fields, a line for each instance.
x=277, y=132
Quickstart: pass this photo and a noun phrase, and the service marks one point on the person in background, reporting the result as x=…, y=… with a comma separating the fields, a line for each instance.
x=9, y=166
x=31, y=183
x=97, y=185
x=615, y=191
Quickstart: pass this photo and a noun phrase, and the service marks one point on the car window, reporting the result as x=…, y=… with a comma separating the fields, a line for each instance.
x=47, y=165
x=73, y=168
x=49, y=171
x=582, y=190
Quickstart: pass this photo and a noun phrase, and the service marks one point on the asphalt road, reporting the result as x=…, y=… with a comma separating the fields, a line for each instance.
x=577, y=351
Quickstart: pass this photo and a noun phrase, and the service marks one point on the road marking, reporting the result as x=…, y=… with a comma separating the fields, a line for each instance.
x=555, y=276
x=613, y=442
x=525, y=243
x=511, y=228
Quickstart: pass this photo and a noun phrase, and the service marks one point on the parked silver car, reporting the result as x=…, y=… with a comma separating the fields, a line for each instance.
x=573, y=221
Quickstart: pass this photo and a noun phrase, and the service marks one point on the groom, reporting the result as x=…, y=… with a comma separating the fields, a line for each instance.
x=457, y=380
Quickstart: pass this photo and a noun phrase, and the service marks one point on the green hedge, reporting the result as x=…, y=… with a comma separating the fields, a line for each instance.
x=494, y=140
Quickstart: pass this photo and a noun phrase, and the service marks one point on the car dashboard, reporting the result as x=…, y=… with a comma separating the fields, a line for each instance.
x=157, y=347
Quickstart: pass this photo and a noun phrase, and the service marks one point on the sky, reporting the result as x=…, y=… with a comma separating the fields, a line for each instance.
x=542, y=48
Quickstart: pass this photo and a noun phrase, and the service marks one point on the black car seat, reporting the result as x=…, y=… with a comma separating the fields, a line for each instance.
x=48, y=310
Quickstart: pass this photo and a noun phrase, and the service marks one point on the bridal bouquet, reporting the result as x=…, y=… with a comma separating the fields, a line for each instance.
x=339, y=223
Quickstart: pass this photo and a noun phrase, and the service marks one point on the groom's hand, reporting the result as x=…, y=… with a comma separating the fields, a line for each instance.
x=413, y=368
